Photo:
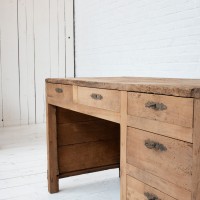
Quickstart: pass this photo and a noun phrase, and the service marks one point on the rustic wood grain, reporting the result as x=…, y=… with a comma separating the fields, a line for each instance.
x=96, y=112
x=136, y=190
x=165, y=86
x=110, y=98
x=123, y=145
x=178, y=110
x=52, y=155
x=85, y=171
x=64, y=116
x=65, y=96
x=80, y=132
x=86, y=143
x=174, y=164
x=196, y=152
x=88, y=155
x=160, y=184
x=161, y=128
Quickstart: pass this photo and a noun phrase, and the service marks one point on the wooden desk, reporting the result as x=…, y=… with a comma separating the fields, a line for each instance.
x=149, y=127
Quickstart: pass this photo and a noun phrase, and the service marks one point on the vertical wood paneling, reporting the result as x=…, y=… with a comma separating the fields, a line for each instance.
x=30, y=53
x=33, y=47
x=22, y=49
x=69, y=38
x=42, y=61
x=53, y=37
x=1, y=96
x=61, y=36
x=9, y=61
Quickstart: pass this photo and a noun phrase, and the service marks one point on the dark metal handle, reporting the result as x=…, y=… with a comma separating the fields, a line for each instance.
x=96, y=96
x=155, y=105
x=59, y=90
x=151, y=196
x=155, y=145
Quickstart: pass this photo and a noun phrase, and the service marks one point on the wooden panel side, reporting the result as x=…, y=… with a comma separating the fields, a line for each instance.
x=123, y=145
x=138, y=190
x=176, y=110
x=172, y=164
x=88, y=155
x=196, y=152
x=161, y=128
x=88, y=131
x=162, y=185
x=65, y=116
x=52, y=149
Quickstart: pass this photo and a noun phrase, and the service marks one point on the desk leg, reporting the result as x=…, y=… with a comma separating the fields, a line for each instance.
x=52, y=156
x=123, y=133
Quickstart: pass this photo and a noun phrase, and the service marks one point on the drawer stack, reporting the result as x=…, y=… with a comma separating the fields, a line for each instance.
x=159, y=147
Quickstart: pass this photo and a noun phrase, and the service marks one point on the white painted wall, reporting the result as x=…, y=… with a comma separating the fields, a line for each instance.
x=36, y=42
x=156, y=38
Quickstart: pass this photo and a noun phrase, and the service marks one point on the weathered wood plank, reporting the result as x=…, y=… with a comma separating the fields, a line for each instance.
x=172, y=164
x=30, y=53
x=22, y=51
x=177, y=110
x=96, y=112
x=123, y=145
x=9, y=63
x=110, y=99
x=52, y=155
x=88, y=155
x=166, y=187
x=1, y=96
x=80, y=132
x=196, y=152
x=69, y=38
x=137, y=190
x=42, y=59
x=165, y=86
x=161, y=128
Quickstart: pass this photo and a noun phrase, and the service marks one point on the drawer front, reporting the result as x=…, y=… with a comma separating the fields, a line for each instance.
x=168, y=109
x=167, y=158
x=59, y=92
x=99, y=98
x=137, y=190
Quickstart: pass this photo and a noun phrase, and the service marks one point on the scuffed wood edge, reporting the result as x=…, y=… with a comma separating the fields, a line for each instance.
x=160, y=89
x=52, y=154
x=160, y=184
x=123, y=135
x=196, y=152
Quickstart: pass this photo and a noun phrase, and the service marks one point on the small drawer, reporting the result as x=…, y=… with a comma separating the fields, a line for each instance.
x=137, y=190
x=164, y=157
x=168, y=109
x=99, y=98
x=59, y=92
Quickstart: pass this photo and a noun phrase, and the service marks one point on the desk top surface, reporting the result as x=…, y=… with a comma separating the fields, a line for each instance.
x=164, y=86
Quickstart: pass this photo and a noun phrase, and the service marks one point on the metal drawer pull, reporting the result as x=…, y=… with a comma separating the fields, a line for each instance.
x=96, y=96
x=151, y=196
x=59, y=90
x=155, y=105
x=155, y=145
